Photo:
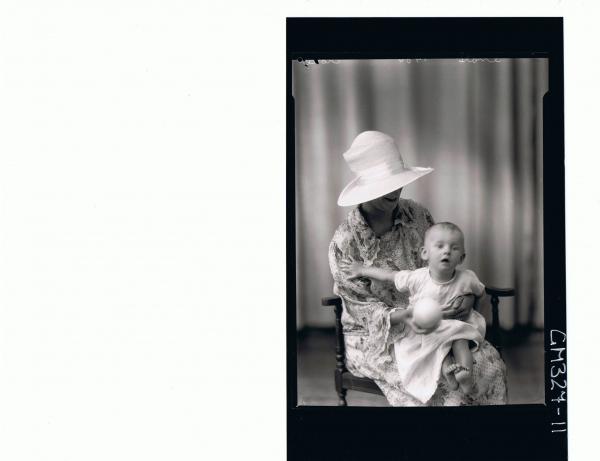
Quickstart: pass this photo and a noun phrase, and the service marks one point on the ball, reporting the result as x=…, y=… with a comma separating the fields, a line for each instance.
x=427, y=313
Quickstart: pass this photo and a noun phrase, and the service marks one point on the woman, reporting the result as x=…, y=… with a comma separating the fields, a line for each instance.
x=387, y=231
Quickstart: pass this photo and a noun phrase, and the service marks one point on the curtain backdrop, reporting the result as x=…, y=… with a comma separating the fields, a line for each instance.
x=479, y=124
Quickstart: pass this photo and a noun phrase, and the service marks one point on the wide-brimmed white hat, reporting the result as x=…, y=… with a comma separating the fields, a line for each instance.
x=379, y=168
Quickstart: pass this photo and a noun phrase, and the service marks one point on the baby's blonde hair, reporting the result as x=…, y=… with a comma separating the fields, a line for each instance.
x=446, y=226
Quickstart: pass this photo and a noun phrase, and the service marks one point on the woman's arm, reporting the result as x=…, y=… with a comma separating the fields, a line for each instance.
x=362, y=305
x=399, y=316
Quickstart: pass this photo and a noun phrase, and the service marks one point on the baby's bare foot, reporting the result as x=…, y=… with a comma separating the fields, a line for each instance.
x=450, y=379
x=465, y=379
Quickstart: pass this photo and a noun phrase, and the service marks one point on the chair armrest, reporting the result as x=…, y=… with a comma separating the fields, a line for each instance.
x=331, y=301
x=500, y=292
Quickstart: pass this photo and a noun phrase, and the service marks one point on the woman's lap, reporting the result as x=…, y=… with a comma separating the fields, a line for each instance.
x=489, y=372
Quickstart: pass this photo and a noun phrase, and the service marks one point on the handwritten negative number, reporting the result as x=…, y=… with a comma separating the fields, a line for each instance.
x=558, y=371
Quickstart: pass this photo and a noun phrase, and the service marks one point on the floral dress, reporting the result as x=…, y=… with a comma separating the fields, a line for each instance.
x=368, y=335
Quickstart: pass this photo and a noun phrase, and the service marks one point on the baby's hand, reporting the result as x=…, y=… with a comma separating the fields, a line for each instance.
x=353, y=270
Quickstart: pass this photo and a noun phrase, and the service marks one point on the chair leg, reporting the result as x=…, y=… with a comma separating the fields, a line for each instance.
x=341, y=392
x=342, y=398
x=497, y=340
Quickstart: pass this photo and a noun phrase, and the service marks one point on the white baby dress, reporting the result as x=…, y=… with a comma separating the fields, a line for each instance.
x=419, y=357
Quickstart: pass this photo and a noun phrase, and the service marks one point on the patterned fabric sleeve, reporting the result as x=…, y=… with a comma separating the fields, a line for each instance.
x=427, y=218
x=341, y=253
x=364, y=310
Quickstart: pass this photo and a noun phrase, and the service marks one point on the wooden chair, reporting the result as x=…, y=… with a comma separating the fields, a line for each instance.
x=345, y=381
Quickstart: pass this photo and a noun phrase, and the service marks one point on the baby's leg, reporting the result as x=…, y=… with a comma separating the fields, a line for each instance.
x=463, y=357
x=448, y=372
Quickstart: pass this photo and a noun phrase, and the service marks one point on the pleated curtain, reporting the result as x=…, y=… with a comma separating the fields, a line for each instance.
x=479, y=124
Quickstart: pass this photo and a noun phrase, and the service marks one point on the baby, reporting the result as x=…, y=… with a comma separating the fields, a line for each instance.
x=421, y=351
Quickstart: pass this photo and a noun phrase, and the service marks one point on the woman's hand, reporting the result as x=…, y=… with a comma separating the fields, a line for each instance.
x=460, y=308
x=352, y=270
